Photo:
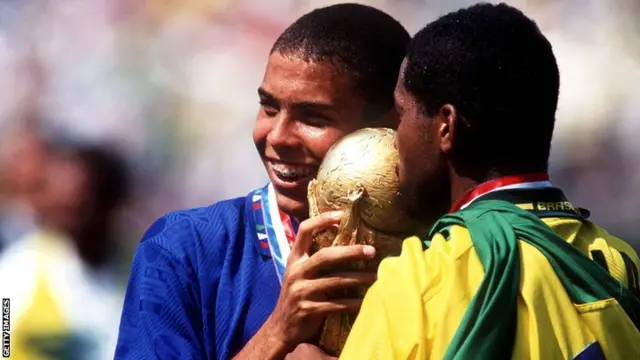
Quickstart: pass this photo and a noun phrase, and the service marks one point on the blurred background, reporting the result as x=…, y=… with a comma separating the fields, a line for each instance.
x=113, y=112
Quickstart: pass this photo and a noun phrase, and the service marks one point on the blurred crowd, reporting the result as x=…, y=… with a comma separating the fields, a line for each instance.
x=113, y=112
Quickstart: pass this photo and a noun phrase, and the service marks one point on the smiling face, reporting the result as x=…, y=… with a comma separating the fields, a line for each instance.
x=305, y=107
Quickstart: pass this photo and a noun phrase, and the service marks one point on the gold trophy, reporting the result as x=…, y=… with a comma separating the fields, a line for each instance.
x=358, y=176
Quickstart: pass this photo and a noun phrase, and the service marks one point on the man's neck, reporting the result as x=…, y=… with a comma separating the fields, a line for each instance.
x=298, y=217
x=460, y=186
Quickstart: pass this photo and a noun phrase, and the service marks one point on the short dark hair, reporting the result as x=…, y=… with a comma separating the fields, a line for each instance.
x=367, y=43
x=493, y=64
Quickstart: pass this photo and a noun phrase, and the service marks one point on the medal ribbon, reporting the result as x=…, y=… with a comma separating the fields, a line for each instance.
x=275, y=229
x=533, y=180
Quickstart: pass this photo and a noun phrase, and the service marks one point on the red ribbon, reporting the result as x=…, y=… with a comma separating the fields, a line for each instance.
x=288, y=228
x=497, y=183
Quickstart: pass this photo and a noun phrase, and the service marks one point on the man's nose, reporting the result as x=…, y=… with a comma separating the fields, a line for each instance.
x=284, y=133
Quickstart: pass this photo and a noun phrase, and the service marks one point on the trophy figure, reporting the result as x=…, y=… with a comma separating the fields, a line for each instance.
x=358, y=176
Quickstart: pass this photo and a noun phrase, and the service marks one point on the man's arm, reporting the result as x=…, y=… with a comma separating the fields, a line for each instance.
x=161, y=317
x=308, y=352
x=267, y=344
x=302, y=304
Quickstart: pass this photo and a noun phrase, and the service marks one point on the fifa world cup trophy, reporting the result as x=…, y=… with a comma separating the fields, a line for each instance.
x=358, y=176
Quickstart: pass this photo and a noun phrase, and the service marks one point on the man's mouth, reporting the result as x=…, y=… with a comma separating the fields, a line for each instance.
x=291, y=173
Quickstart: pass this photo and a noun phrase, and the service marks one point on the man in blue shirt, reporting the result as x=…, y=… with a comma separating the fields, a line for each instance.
x=210, y=283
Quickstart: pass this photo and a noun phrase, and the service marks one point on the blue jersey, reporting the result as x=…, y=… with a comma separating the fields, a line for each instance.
x=203, y=282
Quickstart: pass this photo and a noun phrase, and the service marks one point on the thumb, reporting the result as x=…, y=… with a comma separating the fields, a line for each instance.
x=309, y=228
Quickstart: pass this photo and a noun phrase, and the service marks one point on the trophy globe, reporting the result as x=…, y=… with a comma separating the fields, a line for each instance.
x=358, y=176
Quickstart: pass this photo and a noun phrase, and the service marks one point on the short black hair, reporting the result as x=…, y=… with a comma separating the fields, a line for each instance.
x=493, y=64
x=365, y=42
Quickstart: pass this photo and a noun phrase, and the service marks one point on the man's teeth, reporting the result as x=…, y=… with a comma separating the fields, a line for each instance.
x=291, y=171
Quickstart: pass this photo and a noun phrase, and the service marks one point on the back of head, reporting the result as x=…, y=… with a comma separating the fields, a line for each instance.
x=84, y=186
x=360, y=40
x=109, y=181
x=492, y=63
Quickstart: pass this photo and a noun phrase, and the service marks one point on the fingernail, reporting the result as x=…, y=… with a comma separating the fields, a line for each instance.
x=337, y=214
x=369, y=250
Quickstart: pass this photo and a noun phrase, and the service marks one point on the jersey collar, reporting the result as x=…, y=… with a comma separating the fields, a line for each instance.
x=522, y=181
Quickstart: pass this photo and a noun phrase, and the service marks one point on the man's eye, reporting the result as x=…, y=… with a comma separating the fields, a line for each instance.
x=268, y=109
x=316, y=120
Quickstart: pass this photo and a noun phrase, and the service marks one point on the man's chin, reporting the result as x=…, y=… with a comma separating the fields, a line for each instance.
x=424, y=213
x=295, y=205
x=415, y=213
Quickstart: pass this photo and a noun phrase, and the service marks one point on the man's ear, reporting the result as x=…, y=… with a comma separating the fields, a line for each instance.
x=447, y=117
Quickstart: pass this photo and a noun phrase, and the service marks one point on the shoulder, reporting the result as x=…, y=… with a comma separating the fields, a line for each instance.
x=423, y=270
x=186, y=223
x=615, y=254
x=400, y=283
x=446, y=246
x=451, y=242
x=217, y=214
x=199, y=233
x=395, y=271
x=622, y=246
x=606, y=242
x=406, y=284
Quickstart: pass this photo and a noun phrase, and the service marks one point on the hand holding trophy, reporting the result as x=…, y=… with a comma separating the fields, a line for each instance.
x=358, y=176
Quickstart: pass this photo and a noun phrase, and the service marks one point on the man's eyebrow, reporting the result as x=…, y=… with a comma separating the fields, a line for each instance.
x=264, y=94
x=267, y=96
x=313, y=105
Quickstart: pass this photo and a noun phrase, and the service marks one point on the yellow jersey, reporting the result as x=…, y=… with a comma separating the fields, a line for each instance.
x=60, y=308
x=416, y=306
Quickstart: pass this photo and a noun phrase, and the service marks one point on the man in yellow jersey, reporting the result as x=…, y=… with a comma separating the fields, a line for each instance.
x=495, y=278
x=498, y=277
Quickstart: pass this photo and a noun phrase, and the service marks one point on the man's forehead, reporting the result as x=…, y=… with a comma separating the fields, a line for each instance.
x=290, y=77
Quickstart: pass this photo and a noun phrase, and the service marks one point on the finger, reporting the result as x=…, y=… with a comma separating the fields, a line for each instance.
x=308, y=228
x=338, y=281
x=326, y=258
x=334, y=306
